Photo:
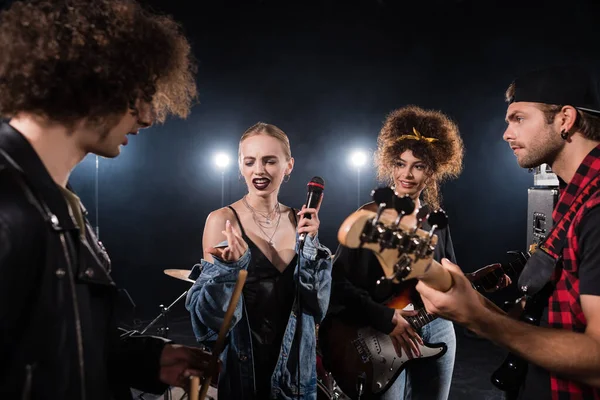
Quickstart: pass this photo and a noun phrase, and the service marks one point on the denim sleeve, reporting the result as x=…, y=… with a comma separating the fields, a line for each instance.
x=209, y=297
x=315, y=277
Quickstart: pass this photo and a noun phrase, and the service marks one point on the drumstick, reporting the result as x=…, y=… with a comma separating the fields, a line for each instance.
x=194, y=386
x=219, y=344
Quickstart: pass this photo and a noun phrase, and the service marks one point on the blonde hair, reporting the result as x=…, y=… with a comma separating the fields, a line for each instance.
x=261, y=128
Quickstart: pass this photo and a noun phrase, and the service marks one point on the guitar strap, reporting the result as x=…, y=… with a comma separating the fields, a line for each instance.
x=546, y=262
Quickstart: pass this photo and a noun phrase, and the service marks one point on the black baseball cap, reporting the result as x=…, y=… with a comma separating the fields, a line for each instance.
x=572, y=85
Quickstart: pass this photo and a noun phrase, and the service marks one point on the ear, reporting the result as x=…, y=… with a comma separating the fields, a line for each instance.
x=290, y=166
x=567, y=117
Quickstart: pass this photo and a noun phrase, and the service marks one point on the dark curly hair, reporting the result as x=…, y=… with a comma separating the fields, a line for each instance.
x=443, y=157
x=72, y=59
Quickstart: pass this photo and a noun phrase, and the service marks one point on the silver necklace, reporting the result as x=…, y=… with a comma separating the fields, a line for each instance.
x=254, y=213
x=266, y=215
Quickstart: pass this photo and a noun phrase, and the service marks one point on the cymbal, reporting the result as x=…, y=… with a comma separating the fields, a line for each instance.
x=181, y=274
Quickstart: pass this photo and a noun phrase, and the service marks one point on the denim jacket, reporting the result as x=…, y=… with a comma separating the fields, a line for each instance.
x=207, y=302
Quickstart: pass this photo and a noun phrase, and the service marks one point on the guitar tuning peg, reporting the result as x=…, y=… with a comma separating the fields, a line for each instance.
x=384, y=197
x=438, y=219
x=404, y=205
x=422, y=214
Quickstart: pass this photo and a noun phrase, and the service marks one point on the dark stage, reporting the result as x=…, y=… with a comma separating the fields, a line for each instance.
x=327, y=73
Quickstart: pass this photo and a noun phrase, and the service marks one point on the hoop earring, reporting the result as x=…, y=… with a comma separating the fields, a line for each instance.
x=286, y=178
x=564, y=134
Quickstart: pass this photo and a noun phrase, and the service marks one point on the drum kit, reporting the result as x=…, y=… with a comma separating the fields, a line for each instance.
x=181, y=274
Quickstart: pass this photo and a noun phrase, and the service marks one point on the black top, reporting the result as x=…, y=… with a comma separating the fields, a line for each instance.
x=537, y=382
x=355, y=292
x=268, y=298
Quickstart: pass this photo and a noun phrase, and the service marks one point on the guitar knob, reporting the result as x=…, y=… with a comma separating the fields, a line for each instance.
x=383, y=196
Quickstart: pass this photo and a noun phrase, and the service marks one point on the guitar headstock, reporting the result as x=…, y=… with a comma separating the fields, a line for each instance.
x=404, y=251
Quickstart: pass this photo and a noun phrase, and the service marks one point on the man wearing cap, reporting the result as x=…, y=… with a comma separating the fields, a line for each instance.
x=553, y=117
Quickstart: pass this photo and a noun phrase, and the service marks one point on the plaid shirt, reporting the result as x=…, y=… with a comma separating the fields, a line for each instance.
x=564, y=311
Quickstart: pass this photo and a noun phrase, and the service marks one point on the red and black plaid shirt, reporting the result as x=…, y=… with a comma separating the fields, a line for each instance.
x=564, y=307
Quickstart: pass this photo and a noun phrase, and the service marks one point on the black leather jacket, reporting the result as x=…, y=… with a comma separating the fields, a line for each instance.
x=58, y=336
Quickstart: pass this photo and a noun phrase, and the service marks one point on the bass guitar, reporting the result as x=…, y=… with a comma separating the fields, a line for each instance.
x=361, y=354
x=362, y=360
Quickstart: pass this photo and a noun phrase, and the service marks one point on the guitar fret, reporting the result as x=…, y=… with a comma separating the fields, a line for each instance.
x=512, y=269
x=413, y=322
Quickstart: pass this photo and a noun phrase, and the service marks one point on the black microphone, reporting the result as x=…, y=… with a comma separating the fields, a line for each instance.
x=315, y=191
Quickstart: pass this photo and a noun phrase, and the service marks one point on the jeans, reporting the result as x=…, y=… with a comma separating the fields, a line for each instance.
x=428, y=379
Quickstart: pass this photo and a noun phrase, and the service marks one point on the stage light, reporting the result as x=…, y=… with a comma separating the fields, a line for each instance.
x=358, y=158
x=222, y=161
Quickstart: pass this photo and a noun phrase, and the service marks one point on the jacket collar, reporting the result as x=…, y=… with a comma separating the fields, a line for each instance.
x=21, y=151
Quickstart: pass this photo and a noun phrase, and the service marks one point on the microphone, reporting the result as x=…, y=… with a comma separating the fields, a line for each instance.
x=315, y=191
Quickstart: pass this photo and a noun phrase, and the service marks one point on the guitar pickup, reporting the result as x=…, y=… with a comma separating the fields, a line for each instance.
x=362, y=349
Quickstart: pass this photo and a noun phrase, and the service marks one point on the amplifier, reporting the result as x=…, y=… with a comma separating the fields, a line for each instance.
x=543, y=176
x=540, y=204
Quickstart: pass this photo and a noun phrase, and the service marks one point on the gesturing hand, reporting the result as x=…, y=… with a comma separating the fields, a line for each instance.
x=236, y=245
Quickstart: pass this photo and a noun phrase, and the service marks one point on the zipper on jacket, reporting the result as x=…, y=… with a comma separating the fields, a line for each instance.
x=28, y=382
x=77, y=318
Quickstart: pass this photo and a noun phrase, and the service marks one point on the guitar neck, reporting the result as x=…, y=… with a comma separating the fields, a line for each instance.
x=421, y=319
x=434, y=275
x=513, y=269
x=486, y=282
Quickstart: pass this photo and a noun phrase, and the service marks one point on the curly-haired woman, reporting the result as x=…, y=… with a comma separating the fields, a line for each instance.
x=76, y=77
x=417, y=149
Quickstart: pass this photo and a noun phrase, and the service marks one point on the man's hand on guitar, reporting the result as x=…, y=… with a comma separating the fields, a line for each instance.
x=404, y=336
x=503, y=281
x=461, y=303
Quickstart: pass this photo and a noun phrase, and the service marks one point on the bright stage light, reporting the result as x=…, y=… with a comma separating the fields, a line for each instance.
x=358, y=158
x=222, y=160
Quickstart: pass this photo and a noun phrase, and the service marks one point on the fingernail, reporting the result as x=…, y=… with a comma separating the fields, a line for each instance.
x=228, y=223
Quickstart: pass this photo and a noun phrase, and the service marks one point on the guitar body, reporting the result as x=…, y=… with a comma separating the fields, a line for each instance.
x=361, y=351
x=351, y=351
x=510, y=376
x=359, y=356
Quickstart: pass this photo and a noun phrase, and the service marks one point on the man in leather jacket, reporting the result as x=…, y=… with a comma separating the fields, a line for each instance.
x=77, y=77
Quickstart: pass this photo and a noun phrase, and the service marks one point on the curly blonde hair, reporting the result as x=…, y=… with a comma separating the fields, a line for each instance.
x=443, y=157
